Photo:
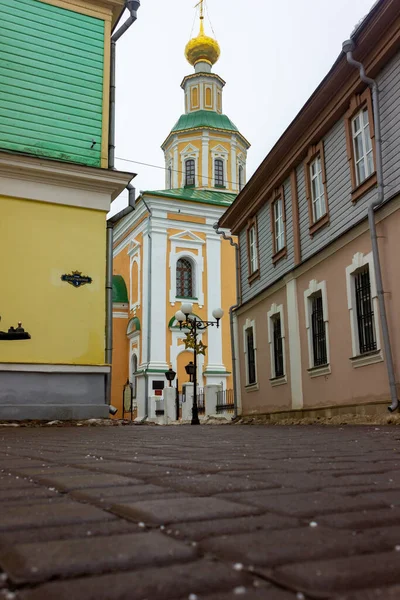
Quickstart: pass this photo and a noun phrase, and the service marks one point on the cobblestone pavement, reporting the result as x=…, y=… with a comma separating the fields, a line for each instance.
x=209, y=512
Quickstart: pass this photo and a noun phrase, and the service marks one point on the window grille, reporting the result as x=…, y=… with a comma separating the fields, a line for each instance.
x=184, y=278
x=190, y=172
x=318, y=331
x=278, y=347
x=219, y=172
x=365, y=312
x=251, y=362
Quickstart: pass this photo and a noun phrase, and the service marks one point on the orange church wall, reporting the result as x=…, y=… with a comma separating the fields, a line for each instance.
x=120, y=370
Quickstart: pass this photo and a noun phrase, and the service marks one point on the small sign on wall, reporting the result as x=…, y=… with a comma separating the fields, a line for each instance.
x=76, y=279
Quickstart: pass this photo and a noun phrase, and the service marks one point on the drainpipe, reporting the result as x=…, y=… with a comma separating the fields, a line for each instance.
x=109, y=275
x=132, y=6
x=233, y=322
x=348, y=47
x=149, y=273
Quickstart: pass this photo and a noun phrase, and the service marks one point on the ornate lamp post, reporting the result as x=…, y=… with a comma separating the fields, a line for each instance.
x=194, y=325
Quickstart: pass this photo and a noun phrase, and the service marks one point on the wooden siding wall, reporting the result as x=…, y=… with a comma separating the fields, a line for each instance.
x=343, y=213
x=51, y=82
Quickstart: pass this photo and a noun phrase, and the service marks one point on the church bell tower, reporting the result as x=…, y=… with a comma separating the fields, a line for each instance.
x=204, y=148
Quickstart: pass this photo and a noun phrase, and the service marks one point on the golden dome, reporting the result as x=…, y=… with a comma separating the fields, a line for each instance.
x=202, y=48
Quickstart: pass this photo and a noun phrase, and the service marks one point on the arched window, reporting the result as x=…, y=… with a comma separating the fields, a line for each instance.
x=219, y=172
x=190, y=172
x=240, y=178
x=134, y=369
x=184, y=278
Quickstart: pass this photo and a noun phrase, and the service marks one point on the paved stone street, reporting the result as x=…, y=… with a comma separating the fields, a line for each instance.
x=210, y=512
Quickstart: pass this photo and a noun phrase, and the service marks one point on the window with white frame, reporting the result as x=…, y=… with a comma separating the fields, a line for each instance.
x=190, y=172
x=170, y=178
x=365, y=311
x=134, y=368
x=317, y=189
x=279, y=226
x=250, y=351
x=184, y=278
x=253, y=252
x=219, y=177
x=363, y=308
x=316, y=316
x=276, y=340
x=362, y=144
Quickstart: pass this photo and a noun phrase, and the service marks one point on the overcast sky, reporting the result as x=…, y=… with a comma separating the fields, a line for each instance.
x=274, y=53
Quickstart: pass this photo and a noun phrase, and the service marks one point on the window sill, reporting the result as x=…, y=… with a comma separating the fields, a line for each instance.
x=220, y=187
x=322, y=222
x=185, y=298
x=320, y=370
x=366, y=185
x=253, y=387
x=275, y=381
x=279, y=255
x=192, y=185
x=254, y=276
x=369, y=358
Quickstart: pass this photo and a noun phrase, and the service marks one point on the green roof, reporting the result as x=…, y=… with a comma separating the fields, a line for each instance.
x=196, y=195
x=119, y=291
x=204, y=118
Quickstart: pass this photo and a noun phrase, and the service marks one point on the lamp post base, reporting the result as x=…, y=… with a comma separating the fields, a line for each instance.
x=195, y=418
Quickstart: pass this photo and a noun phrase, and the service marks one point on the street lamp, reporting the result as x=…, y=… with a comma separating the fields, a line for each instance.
x=190, y=371
x=195, y=325
x=170, y=375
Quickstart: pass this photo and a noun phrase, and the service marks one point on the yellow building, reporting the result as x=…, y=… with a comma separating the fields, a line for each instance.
x=167, y=251
x=55, y=192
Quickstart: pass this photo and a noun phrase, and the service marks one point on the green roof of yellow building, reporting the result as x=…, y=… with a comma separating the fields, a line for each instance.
x=196, y=195
x=119, y=291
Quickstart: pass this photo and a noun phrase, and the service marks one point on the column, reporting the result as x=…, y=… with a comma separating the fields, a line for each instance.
x=214, y=349
x=158, y=296
x=294, y=345
x=233, y=185
x=204, y=160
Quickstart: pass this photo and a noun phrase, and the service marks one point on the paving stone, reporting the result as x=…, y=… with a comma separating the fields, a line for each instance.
x=185, y=509
x=200, y=578
x=388, y=479
x=82, y=481
x=204, y=529
x=296, y=480
x=30, y=563
x=303, y=504
x=390, y=593
x=343, y=575
x=12, y=482
x=25, y=493
x=212, y=484
x=139, y=470
x=272, y=548
x=362, y=519
x=389, y=498
x=17, y=517
x=67, y=532
x=248, y=593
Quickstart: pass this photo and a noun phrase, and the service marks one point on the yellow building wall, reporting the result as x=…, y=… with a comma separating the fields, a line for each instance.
x=228, y=295
x=120, y=364
x=39, y=242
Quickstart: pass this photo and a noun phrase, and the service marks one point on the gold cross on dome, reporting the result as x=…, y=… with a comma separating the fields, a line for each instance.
x=201, y=4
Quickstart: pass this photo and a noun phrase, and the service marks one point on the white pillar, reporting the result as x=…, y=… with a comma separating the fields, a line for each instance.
x=188, y=404
x=204, y=160
x=294, y=344
x=210, y=394
x=145, y=296
x=214, y=300
x=233, y=185
x=169, y=405
x=176, y=168
x=158, y=295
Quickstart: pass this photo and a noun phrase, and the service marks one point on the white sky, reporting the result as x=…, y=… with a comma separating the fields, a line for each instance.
x=274, y=53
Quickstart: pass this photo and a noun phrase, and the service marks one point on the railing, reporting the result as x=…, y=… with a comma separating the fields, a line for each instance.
x=225, y=402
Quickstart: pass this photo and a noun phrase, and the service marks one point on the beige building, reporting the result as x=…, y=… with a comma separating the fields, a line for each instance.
x=311, y=326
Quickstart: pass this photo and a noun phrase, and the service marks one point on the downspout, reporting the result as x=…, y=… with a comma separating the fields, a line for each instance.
x=149, y=273
x=132, y=6
x=109, y=275
x=348, y=47
x=233, y=320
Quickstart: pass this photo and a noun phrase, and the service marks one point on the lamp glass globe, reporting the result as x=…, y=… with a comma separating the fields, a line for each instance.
x=218, y=313
x=179, y=316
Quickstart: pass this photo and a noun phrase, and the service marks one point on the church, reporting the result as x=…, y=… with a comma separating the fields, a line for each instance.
x=167, y=251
